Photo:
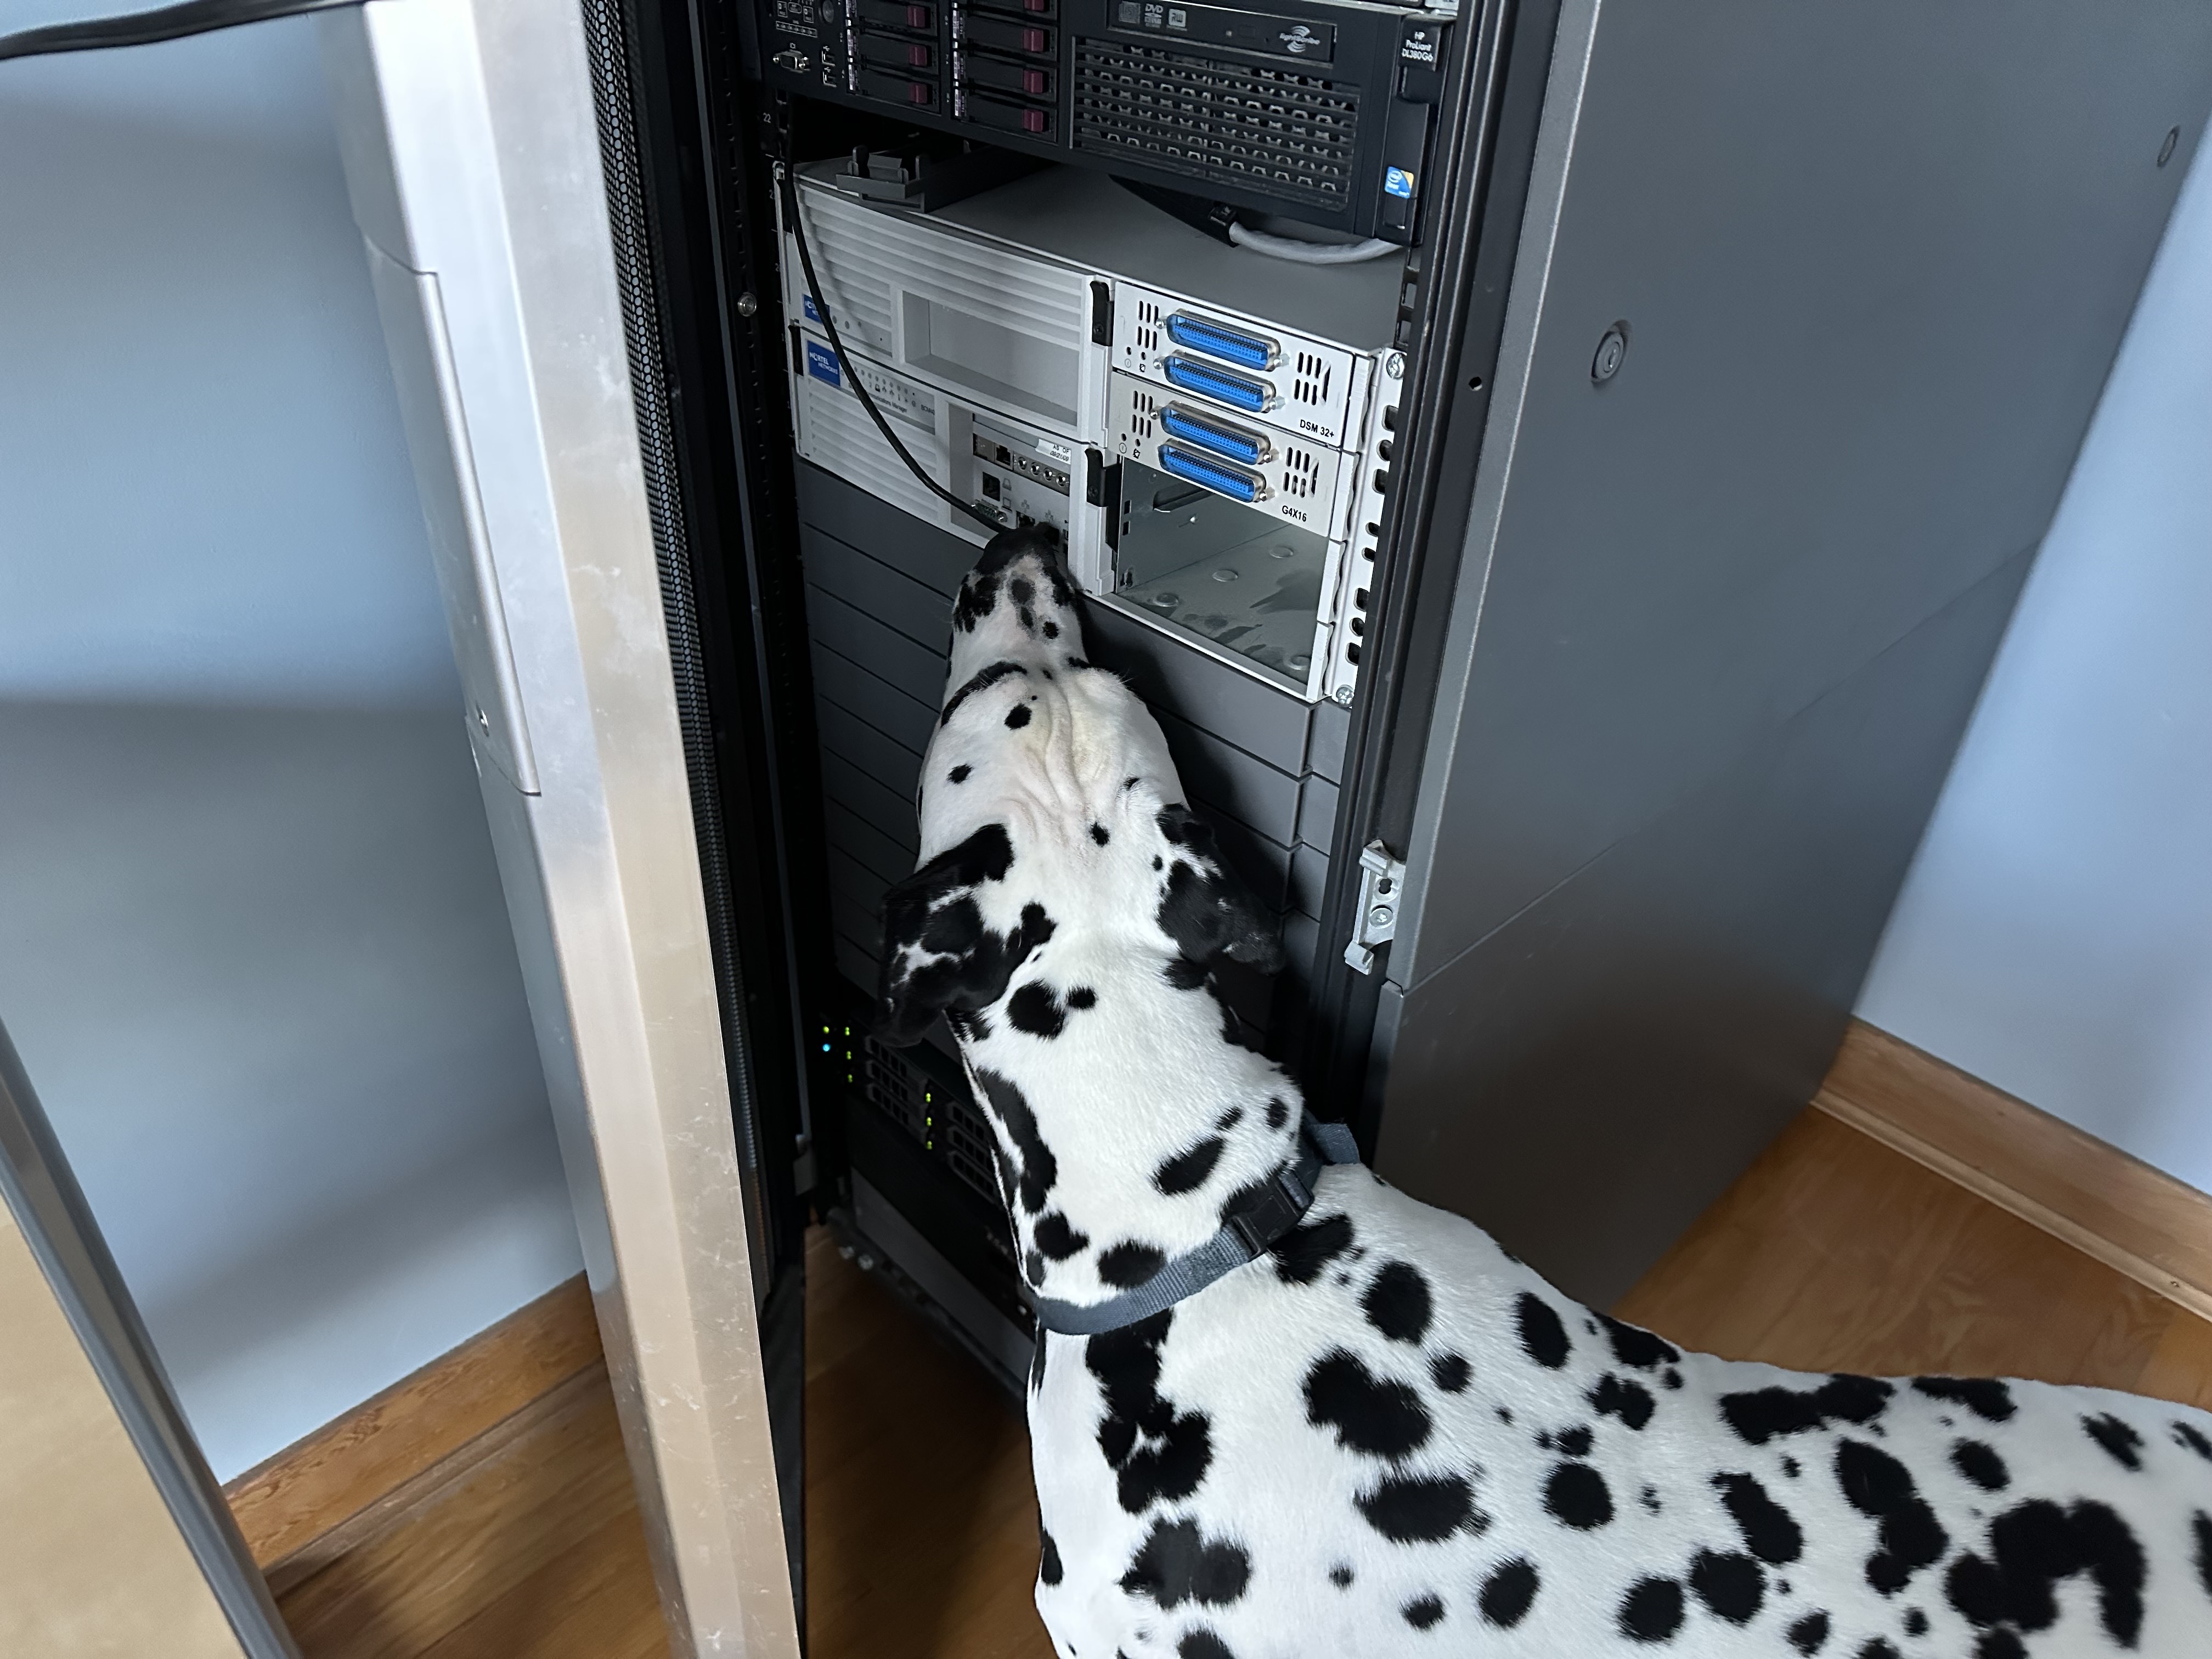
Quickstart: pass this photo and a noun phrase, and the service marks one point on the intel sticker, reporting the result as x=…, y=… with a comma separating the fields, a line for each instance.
x=822, y=364
x=1396, y=181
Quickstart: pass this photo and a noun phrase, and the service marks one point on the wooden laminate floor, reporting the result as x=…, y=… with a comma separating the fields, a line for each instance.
x=1832, y=1252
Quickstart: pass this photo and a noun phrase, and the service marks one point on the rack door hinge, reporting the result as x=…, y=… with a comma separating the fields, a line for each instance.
x=1381, y=883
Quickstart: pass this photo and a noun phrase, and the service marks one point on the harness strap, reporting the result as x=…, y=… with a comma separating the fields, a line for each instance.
x=1288, y=1196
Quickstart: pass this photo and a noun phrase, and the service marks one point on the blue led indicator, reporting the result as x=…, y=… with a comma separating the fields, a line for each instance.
x=1396, y=181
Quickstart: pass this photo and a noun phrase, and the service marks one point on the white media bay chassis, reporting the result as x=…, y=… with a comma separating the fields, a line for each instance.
x=1209, y=428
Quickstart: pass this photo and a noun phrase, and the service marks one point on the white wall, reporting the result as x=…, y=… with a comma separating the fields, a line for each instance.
x=2055, y=936
x=251, y=943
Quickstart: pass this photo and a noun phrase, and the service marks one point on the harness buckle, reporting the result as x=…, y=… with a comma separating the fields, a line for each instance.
x=1286, y=1200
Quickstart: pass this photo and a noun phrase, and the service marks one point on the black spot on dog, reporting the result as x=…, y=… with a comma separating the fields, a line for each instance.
x=2186, y=1435
x=2033, y=1546
x=1033, y=1008
x=1639, y=1348
x=1051, y=631
x=1397, y=1302
x=1305, y=1250
x=1911, y=1537
x=1575, y=1442
x=1732, y=1586
x=1184, y=974
x=1507, y=1594
x=1048, y=1554
x=1057, y=1238
x=1652, y=1610
x=1988, y=1398
x=1279, y=1112
x=1999, y=1645
x=1672, y=1379
x=958, y=774
x=1203, y=1644
x=1981, y=1464
x=1422, y=1612
x=1770, y=1532
x=979, y=594
x=1341, y=1576
x=1038, y=1350
x=1809, y=1633
x=1763, y=1413
x=1040, y=1169
x=1543, y=1338
x=1622, y=1397
x=1158, y=1454
x=1790, y=1467
x=2121, y=1443
x=1576, y=1496
x=2200, y=1523
x=1018, y=717
x=1229, y=1118
x=1876, y=1647
x=1915, y=1622
x=1421, y=1509
x=1379, y=1416
x=1098, y=834
x=1176, y=1564
x=1033, y=1266
x=1649, y=1498
x=1082, y=996
x=1129, y=1264
x=1022, y=591
x=1448, y=1372
x=1186, y=1172
x=981, y=680
x=1210, y=914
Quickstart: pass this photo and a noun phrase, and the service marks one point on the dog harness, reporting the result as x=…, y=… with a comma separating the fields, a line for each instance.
x=1244, y=1237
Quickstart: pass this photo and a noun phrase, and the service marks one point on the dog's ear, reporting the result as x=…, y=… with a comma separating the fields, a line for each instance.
x=939, y=956
x=1206, y=909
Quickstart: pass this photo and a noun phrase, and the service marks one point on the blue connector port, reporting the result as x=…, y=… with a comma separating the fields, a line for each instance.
x=1185, y=463
x=1214, y=436
x=1256, y=396
x=1232, y=345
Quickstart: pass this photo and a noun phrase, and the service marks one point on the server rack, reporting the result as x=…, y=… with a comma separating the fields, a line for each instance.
x=1743, y=354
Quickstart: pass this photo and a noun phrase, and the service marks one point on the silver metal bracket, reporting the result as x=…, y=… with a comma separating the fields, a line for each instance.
x=1382, y=880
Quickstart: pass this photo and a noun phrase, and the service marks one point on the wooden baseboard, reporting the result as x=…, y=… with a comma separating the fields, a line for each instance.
x=387, y=1447
x=2136, y=1219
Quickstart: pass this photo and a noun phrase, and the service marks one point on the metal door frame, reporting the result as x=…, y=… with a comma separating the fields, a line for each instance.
x=472, y=156
x=37, y=1189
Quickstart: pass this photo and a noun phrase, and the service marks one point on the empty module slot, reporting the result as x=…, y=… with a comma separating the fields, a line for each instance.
x=1202, y=469
x=1214, y=436
x=1232, y=345
x=1254, y=397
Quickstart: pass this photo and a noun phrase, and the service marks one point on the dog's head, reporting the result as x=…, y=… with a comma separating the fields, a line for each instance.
x=1050, y=812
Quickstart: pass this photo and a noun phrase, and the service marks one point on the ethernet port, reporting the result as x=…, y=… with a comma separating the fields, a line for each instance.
x=1240, y=579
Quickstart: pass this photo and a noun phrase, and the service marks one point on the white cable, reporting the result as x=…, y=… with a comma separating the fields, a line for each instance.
x=1311, y=254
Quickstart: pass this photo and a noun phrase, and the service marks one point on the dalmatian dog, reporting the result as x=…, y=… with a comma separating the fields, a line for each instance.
x=1380, y=1434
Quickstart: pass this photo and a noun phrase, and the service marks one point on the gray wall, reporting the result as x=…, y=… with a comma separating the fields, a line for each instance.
x=251, y=943
x=2055, y=936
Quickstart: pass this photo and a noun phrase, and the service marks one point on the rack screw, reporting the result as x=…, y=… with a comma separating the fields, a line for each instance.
x=1379, y=916
x=747, y=305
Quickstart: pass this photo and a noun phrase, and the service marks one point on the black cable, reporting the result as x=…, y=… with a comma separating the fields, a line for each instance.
x=844, y=363
x=145, y=28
